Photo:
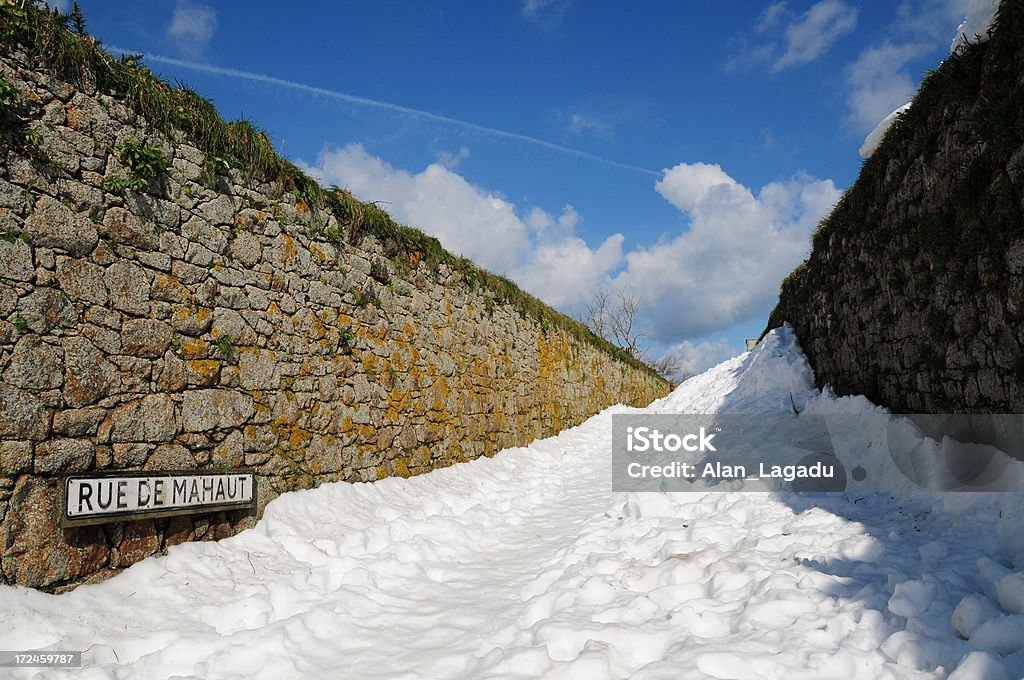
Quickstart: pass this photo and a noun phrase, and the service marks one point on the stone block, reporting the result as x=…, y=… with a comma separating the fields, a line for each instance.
x=123, y=226
x=22, y=415
x=150, y=419
x=78, y=422
x=147, y=338
x=258, y=370
x=64, y=455
x=17, y=258
x=53, y=225
x=203, y=410
x=82, y=280
x=36, y=552
x=128, y=287
x=47, y=308
x=170, y=457
x=35, y=365
x=15, y=457
x=88, y=376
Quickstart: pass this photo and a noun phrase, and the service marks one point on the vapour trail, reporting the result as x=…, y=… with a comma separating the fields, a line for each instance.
x=388, y=106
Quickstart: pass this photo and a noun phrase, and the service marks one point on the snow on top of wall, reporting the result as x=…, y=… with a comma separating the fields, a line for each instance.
x=975, y=26
x=874, y=138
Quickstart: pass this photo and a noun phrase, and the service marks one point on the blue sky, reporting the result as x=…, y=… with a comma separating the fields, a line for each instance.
x=683, y=151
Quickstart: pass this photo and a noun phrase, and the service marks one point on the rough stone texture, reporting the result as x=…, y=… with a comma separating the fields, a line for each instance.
x=53, y=225
x=196, y=327
x=914, y=292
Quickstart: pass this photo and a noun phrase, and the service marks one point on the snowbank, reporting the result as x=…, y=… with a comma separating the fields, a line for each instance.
x=527, y=566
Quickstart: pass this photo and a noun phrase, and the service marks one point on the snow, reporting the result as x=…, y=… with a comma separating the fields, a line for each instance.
x=976, y=24
x=974, y=28
x=526, y=565
x=1010, y=592
x=874, y=137
x=973, y=611
x=980, y=666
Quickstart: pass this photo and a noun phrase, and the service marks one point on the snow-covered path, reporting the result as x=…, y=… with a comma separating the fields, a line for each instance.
x=527, y=566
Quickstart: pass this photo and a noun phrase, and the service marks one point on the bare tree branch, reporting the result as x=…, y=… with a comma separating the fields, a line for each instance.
x=613, y=316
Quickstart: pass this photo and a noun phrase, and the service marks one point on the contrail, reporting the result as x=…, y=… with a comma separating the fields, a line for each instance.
x=388, y=106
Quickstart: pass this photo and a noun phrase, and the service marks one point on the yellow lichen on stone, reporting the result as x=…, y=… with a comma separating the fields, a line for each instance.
x=193, y=348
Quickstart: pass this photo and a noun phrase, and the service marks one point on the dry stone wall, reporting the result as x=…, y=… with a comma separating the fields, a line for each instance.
x=189, y=327
x=914, y=291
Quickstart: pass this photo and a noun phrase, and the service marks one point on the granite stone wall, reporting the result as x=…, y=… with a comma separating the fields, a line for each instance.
x=914, y=291
x=198, y=325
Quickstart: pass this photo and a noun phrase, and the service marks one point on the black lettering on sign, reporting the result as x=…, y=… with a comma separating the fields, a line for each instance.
x=122, y=494
x=158, y=492
x=84, y=494
x=144, y=493
x=232, y=487
x=99, y=494
x=193, y=493
x=179, y=491
x=220, y=490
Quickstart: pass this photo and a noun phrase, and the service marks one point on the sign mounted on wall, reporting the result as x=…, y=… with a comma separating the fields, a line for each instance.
x=99, y=498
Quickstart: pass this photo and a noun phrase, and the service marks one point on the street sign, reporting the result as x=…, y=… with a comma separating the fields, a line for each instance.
x=122, y=497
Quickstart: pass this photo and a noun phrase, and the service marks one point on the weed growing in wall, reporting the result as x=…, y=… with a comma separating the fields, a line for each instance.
x=225, y=350
x=145, y=161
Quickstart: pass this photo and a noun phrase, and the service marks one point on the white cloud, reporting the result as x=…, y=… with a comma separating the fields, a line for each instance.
x=539, y=251
x=451, y=159
x=812, y=36
x=793, y=40
x=565, y=272
x=884, y=76
x=879, y=82
x=192, y=27
x=580, y=124
x=772, y=17
x=929, y=19
x=726, y=268
x=545, y=13
x=697, y=358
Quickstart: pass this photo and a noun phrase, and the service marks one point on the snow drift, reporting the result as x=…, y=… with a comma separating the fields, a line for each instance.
x=527, y=566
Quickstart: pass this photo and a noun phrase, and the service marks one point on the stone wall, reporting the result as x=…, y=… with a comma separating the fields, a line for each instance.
x=914, y=291
x=185, y=327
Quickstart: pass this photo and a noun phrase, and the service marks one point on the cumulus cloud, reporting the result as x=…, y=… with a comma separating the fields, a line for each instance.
x=727, y=266
x=724, y=267
x=879, y=82
x=697, y=358
x=884, y=76
x=192, y=27
x=540, y=251
x=815, y=32
x=565, y=272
